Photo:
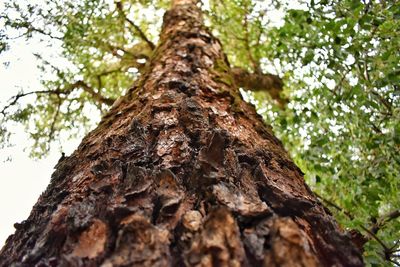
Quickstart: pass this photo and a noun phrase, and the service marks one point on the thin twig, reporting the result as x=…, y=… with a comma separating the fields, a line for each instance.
x=253, y=61
x=330, y=203
x=350, y=216
x=33, y=29
x=384, y=219
x=78, y=84
x=68, y=89
x=97, y=96
x=137, y=28
x=14, y=99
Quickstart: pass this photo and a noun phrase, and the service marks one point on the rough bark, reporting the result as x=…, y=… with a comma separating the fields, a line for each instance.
x=180, y=172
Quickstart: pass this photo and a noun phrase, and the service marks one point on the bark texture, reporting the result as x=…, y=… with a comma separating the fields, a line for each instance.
x=181, y=172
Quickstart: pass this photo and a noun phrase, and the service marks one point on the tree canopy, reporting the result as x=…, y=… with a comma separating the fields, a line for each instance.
x=337, y=112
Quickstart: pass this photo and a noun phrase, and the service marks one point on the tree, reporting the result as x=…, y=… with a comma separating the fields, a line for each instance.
x=180, y=171
x=338, y=61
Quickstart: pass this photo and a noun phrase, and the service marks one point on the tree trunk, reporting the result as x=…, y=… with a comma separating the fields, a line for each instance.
x=180, y=172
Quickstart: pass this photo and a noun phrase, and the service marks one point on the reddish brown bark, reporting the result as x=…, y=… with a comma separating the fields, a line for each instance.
x=180, y=172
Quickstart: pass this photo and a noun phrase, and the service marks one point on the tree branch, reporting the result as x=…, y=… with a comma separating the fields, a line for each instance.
x=97, y=96
x=137, y=28
x=79, y=84
x=28, y=28
x=389, y=252
x=332, y=204
x=254, y=62
x=260, y=82
x=384, y=219
x=41, y=31
x=15, y=98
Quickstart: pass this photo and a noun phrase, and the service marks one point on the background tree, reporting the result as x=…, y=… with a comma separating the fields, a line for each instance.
x=339, y=63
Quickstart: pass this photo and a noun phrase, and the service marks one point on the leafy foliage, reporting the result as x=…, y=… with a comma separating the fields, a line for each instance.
x=102, y=54
x=344, y=123
x=340, y=64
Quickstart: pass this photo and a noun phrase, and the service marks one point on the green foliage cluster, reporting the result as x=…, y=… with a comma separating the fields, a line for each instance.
x=340, y=63
x=341, y=66
x=101, y=57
